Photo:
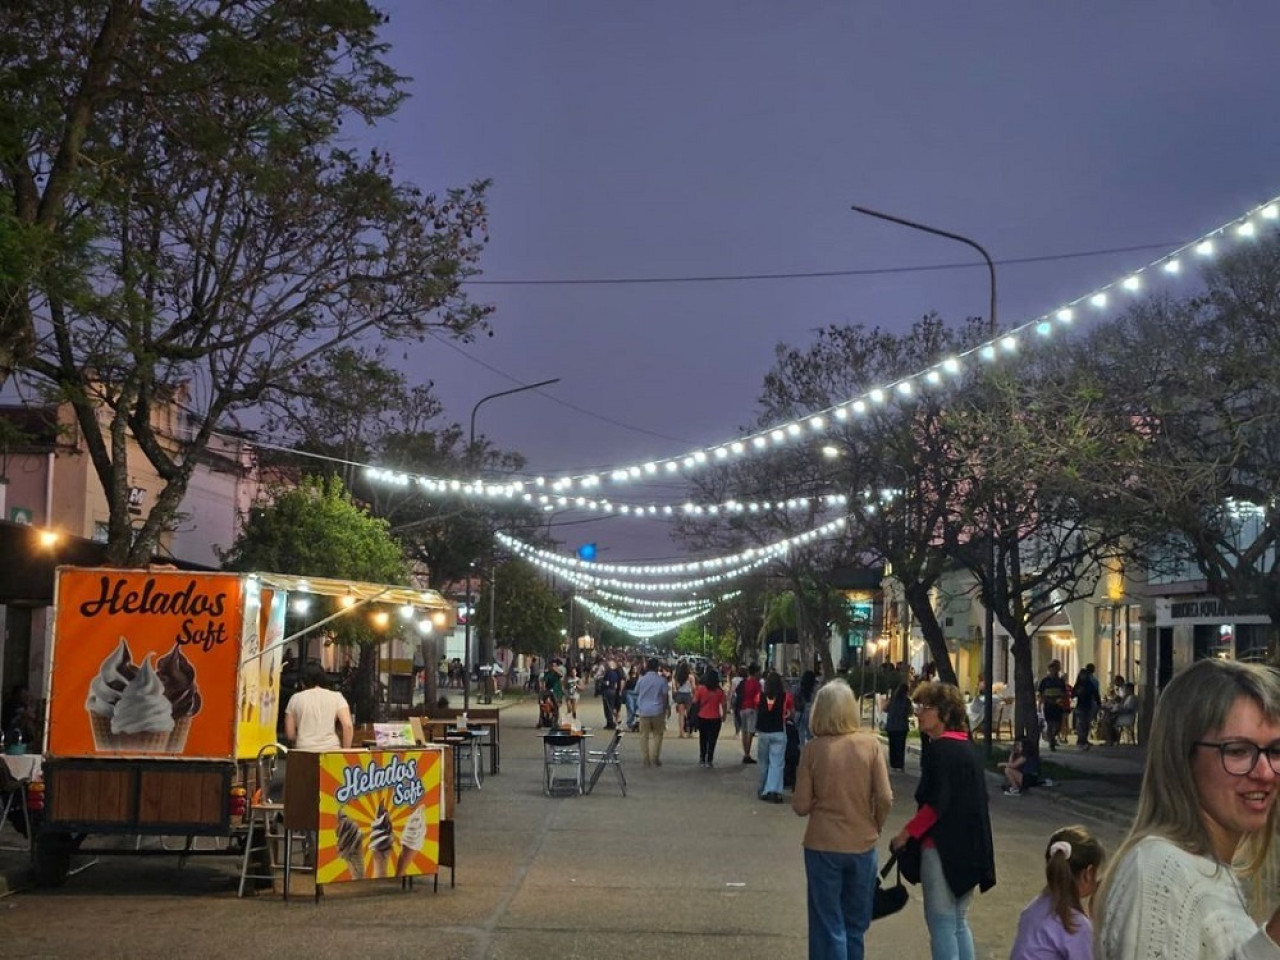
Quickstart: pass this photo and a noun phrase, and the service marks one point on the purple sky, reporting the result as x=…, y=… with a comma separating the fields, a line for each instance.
x=667, y=139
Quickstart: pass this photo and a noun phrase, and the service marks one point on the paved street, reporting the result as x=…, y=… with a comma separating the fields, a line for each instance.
x=689, y=863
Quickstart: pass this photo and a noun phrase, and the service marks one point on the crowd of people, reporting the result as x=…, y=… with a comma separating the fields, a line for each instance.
x=1185, y=884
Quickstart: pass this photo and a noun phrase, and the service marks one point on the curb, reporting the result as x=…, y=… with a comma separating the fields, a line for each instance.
x=1079, y=805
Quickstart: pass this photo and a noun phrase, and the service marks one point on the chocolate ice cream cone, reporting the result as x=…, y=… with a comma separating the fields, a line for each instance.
x=178, y=737
x=381, y=864
x=356, y=866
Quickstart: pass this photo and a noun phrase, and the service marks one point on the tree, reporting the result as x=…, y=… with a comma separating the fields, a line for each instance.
x=182, y=226
x=1198, y=379
x=315, y=530
x=526, y=612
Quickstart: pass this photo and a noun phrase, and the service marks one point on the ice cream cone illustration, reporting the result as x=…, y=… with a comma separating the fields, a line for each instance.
x=350, y=845
x=142, y=721
x=114, y=675
x=412, y=837
x=178, y=675
x=380, y=842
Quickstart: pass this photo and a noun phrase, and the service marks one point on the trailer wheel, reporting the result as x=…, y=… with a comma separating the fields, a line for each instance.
x=51, y=860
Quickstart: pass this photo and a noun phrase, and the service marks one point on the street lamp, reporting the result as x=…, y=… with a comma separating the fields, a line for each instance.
x=989, y=639
x=471, y=442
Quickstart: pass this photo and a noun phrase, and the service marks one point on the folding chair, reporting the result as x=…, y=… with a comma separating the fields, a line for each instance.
x=13, y=806
x=608, y=757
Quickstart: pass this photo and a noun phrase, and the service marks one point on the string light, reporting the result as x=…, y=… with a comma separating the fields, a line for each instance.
x=781, y=435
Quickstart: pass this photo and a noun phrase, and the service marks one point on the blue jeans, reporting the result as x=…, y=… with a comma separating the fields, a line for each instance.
x=772, y=753
x=841, y=888
x=629, y=698
x=945, y=914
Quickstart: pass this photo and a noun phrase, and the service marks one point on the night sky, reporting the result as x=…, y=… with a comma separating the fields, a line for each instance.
x=677, y=139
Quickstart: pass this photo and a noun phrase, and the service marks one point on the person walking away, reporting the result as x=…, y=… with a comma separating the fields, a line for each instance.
x=952, y=822
x=775, y=707
x=683, y=678
x=806, y=689
x=1053, y=701
x=748, y=700
x=1088, y=699
x=653, y=706
x=1206, y=821
x=314, y=715
x=842, y=786
x=629, y=697
x=1055, y=926
x=897, y=724
x=711, y=706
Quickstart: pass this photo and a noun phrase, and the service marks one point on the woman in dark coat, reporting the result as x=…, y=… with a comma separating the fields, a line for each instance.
x=897, y=722
x=952, y=823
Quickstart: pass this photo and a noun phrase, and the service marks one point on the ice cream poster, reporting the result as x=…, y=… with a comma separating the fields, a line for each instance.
x=379, y=815
x=145, y=663
x=259, y=705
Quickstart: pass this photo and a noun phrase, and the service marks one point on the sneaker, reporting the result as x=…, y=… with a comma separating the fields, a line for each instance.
x=657, y=763
x=1013, y=792
x=748, y=760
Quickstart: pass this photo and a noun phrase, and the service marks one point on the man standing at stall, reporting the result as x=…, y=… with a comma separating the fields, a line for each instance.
x=314, y=714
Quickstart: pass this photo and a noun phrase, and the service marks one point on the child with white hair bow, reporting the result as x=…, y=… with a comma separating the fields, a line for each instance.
x=1055, y=925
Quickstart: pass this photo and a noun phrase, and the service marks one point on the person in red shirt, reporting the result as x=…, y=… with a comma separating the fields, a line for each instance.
x=749, y=700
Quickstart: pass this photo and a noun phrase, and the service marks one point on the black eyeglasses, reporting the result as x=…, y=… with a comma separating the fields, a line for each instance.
x=1239, y=757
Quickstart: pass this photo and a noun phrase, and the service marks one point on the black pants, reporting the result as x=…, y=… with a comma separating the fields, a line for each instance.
x=708, y=734
x=897, y=749
x=609, y=700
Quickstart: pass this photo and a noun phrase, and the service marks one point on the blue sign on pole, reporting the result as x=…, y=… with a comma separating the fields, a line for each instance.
x=587, y=552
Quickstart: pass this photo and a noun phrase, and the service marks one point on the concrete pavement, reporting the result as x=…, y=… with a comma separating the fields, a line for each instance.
x=689, y=862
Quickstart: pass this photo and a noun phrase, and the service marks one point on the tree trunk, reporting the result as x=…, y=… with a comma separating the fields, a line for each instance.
x=1026, y=722
x=918, y=600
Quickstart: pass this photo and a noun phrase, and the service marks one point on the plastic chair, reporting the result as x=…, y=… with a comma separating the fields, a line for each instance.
x=608, y=757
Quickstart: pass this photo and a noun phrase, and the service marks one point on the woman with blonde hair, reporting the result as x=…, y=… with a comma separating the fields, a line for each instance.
x=951, y=824
x=842, y=786
x=1206, y=817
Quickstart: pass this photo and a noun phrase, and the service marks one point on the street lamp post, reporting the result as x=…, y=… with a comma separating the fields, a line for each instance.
x=989, y=637
x=471, y=442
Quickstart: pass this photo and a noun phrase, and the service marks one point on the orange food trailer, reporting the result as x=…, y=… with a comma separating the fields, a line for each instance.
x=163, y=689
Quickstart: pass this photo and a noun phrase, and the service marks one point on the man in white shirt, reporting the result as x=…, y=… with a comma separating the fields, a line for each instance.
x=314, y=714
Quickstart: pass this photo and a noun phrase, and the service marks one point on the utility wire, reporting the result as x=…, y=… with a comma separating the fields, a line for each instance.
x=817, y=274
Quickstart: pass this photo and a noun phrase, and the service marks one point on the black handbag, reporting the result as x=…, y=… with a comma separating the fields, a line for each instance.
x=908, y=857
x=889, y=900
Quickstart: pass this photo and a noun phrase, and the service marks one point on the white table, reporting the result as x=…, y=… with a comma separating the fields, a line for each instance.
x=24, y=766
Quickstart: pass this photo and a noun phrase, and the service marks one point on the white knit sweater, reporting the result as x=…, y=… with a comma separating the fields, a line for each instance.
x=1167, y=903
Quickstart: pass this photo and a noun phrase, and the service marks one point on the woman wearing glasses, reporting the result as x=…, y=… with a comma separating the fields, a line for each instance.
x=1205, y=820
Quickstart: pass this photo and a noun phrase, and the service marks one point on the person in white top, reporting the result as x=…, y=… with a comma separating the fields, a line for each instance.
x=1205, y=821
x=314, y=714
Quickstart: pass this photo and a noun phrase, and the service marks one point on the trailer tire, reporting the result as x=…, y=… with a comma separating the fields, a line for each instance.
x=51, y=859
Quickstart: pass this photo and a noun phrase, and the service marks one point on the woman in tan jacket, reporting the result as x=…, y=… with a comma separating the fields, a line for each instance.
x=842, y=786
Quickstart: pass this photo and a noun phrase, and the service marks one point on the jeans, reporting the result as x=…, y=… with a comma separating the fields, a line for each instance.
x=945, y=914
x=772, y=753
x=840, y=891
x=1084, y=720
x=629, y=698
x=708, y=734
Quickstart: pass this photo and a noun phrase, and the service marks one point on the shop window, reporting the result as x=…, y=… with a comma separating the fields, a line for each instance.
x=1251, y=642
x=1213, y=640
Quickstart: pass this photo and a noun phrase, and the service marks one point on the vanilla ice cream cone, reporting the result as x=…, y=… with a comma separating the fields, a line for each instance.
x=101, y=725
x=142, y=742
